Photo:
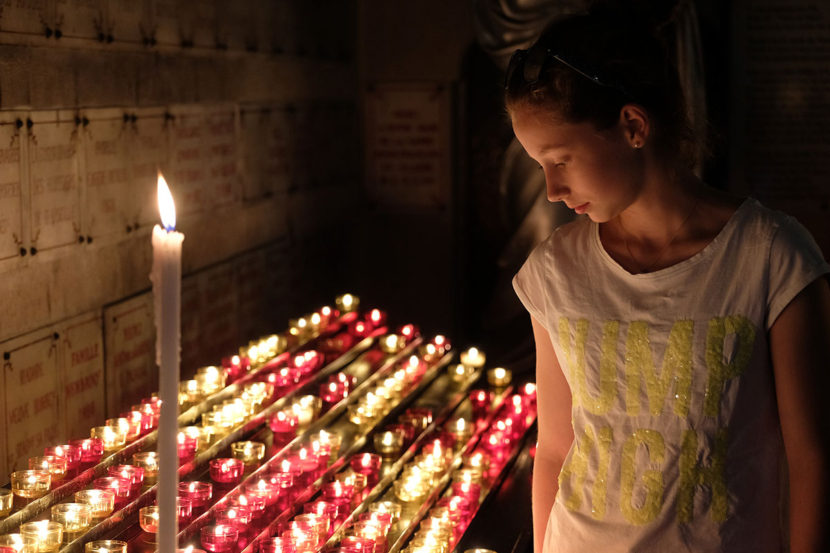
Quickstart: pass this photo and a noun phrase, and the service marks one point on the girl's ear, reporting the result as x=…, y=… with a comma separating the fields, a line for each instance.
x=635, y=124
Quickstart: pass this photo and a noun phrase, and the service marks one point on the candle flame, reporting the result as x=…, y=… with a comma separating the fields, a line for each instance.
x=167, y=209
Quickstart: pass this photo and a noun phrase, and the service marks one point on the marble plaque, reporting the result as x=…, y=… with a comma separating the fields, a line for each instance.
x=219, y=333
x=109, y=198
x=53, y=155
x=81, y=18
x=130, y=337
x=198, y=23
x=11, y=208
x=32, y=394
x=408, y=144
x=220, y=153
x=190, y=166
x=128, y=20
x=30, y=17
x=165, y=22
x=148, y=140
x=265, y=151
x=82, y=374
x=251, y=286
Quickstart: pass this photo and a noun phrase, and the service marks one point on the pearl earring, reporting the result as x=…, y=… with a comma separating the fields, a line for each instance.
x=638, y=145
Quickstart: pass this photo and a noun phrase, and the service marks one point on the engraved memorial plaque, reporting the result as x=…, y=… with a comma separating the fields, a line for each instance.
x=108, y=192
x=82, y=374
x=164, y=21
x=266, y=154
x=11, y=208
x=130, y=337
x=148, y=140
x=219, y=152
x=30, y=17
x=54, y=148
x=190, y=166
x=198, y=23
x=128, y=20
x=81, y=18
x=219, y=331
x=32, y=396
x=251, y=284
x=407, y=144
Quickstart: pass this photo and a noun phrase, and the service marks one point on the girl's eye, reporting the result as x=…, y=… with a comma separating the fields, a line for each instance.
x=560, y=165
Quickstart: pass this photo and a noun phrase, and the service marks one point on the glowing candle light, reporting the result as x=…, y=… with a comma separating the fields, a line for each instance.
x=100, y=502
x=473, y=357
x=166, y=276
x=106, y=546
x=6, y=501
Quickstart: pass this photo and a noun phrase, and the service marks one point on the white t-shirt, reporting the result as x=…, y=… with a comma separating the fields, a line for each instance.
x=677, y=440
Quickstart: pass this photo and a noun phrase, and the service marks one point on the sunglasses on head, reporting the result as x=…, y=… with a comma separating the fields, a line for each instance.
x=530, y=64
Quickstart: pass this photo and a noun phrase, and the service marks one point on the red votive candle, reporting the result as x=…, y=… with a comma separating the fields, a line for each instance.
x=234, y=515
x=275, y=545
x=367, y=464
x=356, y=544
x=199, y=493
x=376, y=317
x=360, y=329
x=284, y=377
x=284, y=481
x=133, y=473
x=467, y=490
x=186, y=446
x=184, y=509
x=226, y=470
x=325, y=509
x=219, y=538
x=70, y=453
x=253, y=502
x=284, y=426
x=480, y=402
x=121, y=486
x=264, y=488
x=409, y=332
x=92, y=449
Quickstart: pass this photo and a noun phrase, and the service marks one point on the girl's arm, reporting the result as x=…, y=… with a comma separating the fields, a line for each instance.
x=555, y=431
x=800, y=348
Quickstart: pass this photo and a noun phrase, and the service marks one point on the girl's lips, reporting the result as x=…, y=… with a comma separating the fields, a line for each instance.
x=580, y=209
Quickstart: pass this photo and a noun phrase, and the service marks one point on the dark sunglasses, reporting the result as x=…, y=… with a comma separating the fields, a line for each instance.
x=531, y=63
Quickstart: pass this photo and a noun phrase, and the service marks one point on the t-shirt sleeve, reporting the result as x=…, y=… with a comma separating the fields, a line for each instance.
x=530, y=285
x=795, y=261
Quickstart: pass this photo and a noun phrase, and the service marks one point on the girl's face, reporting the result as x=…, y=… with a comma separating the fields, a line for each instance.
x=593, y=172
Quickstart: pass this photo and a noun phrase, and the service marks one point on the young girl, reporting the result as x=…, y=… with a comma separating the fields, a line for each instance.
x=681, y=333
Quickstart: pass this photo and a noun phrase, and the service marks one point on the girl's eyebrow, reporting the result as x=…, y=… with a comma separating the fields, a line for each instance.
x=551, y=147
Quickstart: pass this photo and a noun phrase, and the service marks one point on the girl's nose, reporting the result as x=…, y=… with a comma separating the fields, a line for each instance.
x=556, y=189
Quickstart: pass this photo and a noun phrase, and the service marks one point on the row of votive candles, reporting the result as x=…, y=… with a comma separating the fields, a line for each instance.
x=62, y=461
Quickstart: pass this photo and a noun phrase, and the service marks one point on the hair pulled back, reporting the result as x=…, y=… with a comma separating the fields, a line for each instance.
x=618, y=42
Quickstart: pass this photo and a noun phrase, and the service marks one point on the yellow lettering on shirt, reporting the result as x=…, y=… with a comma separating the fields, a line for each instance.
x=651, y=479
x=572, y=475
x=574, y=361
x=693, y=473
x=719, y=369
x=676, y=369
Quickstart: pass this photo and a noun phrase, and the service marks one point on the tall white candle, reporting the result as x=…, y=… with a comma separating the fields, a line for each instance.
x=166, y=277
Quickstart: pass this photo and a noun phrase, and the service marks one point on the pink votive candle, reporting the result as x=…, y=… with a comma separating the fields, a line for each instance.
x=121, y=486
x=199, y=493
x=226, y=470
x=92, y=449
x=219, y=538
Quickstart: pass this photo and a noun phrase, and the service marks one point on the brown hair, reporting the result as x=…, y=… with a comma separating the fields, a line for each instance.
x=585, y=68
